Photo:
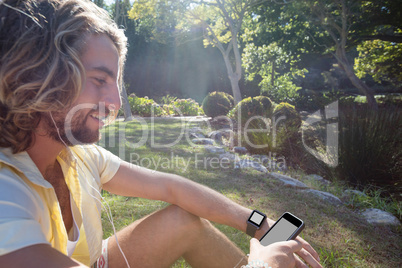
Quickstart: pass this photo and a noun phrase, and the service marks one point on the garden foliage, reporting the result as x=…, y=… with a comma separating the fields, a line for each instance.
x=248, y=112
x=144, y=106
x=217, y=103
x=370, y=149
x=171, y=106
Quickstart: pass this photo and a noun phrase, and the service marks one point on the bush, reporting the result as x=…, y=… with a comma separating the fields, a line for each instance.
x=144, y=106
x=292, y=117
x=186, y=107
x=267, y=105
x=245, y=110
x=370, y=150
x=217, y=103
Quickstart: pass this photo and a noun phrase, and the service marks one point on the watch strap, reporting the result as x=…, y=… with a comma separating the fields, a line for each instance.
x=251, y=229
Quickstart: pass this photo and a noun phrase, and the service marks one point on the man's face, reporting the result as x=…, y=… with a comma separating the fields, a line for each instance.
x=98, y=100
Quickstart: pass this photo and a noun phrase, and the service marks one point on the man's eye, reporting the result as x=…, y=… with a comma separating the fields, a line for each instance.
x=100, y=81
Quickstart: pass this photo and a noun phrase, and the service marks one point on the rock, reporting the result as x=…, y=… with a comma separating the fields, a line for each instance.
x=318, y=178
x=325, y=196
x=240, y=150
x=203, y=141
x=262, y=159
x=379, y=217
x=230, y=156
x=349, y=193
x=271, y=162
x=303, y=113
x=195, y=130
x=197, y=135
x=288, y=181
x=214, y=149
x=227, y=133
x=216, y=135
x=246, y=163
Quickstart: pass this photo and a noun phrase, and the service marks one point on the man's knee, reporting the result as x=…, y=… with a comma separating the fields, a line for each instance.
x=188, y=221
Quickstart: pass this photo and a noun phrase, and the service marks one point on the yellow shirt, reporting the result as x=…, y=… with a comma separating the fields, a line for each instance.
x=29, y=210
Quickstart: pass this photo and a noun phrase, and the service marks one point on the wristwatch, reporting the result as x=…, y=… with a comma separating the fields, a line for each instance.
x=254, y=222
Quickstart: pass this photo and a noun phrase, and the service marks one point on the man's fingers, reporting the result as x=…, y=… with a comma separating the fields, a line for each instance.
x=308, y=258
x=294, y=245
x=300, y=263
x=309, y=248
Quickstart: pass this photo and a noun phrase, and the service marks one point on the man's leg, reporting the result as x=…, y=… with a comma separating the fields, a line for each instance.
x=159, y=239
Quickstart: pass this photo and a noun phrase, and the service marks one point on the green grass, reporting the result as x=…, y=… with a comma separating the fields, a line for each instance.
x=339, y=234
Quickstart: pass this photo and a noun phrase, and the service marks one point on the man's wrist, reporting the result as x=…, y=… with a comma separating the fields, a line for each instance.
x=254, y=222
x=256, y=264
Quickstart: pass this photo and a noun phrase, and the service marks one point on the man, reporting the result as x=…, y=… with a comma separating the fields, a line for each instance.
x=61, y=67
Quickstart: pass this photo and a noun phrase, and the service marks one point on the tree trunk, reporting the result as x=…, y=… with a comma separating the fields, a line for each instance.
x=359, y=84
x=362, y=87
x=126, y=105
x=234, y=80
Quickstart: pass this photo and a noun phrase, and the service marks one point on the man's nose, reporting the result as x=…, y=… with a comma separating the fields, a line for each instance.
x=112, y=98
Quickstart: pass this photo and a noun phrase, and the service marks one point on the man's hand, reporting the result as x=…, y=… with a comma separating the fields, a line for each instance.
x=308, y=254
x=282, y=254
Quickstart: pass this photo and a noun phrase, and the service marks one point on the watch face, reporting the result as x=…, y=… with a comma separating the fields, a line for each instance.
x=257, y=218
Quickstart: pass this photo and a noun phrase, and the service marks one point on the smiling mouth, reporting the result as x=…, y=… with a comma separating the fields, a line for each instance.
x=107, y=119
x=98, y=117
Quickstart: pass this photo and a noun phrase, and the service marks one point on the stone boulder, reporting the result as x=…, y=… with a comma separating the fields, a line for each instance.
x=330, y=198
x=240, y=150
x=262, y=159
x=378, y=217
x=288, y=181
x=195, y=130
x=229, y=156
x=350, y=192
x=197, y=135
x=246, y=163
x=203, y=141
x=216, y=136
x=214, y=149
x=317, y=178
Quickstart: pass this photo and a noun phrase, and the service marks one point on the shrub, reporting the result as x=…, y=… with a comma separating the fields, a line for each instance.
x=286, y=129
x=292, y=117
x=267, y=105
x=245, y=110
x=167, y=99
x=186, y=107
x=370, y=150
x=217, y=103
x=144, y=106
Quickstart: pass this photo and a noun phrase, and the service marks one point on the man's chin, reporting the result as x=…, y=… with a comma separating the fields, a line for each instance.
x=80, y=138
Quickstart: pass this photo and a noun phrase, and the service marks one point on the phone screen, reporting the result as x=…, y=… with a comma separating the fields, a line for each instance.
x=281, y=231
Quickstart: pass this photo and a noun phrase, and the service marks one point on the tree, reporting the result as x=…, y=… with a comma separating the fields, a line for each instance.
x=380, y=20
x=220, y=21
x=332, y=27
x=380, y=59
x=277, y=69
x=336, y=18
x=99, y=3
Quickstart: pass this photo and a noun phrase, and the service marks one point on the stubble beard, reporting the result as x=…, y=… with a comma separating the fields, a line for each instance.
x=74, y=132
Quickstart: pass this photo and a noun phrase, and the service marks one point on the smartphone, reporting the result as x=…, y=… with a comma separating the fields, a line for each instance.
x=286, y=228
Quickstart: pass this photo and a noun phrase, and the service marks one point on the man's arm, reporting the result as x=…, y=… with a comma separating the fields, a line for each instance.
x=131, y=180
x=37, y=256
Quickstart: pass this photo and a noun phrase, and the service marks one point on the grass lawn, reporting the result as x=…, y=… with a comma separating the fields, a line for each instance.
x=340, y=235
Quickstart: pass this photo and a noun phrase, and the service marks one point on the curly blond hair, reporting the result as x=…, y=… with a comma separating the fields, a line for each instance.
x=40, y=68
